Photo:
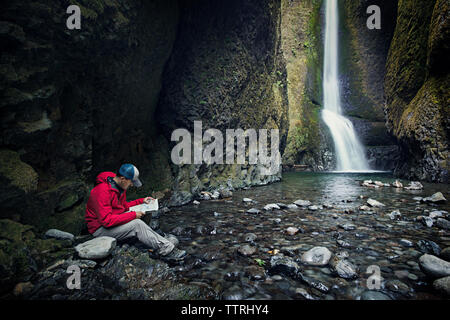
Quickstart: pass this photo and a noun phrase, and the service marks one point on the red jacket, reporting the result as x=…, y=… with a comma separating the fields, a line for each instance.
x=106, y=207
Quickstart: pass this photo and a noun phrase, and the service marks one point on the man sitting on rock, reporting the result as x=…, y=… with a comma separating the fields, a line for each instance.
x=107, y=213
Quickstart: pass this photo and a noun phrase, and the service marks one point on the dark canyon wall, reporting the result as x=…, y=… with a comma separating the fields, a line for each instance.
x=417, y=89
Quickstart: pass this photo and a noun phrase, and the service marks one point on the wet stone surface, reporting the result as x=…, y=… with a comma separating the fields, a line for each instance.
x=251, y=256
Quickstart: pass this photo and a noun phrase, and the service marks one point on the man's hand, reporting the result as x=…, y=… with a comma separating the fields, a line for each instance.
x=139, y=214
x=148, y=199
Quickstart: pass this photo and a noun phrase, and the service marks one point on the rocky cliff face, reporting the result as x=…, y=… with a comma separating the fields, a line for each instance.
x=227, y=71
x=363, y=55
x=76, y=102
x=416, y=85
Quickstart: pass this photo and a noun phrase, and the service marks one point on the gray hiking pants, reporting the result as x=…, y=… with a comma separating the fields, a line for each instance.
x=139, y=229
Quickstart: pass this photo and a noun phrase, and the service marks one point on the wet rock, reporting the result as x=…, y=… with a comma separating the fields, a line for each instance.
x=438, y=197
x=443, y=223
x=317, y=256
x=364, y=208
x=434, y=266
x=250, y=237
x=417, y=198
x=97, y=248
x=196, y=202
x=442, y=285
x=406, y=243
x=374, y=295
x=347, y=226
x=436, y=214
x=253, y=211
x=313, y=208
x=232, y=276
x=343, y=268
x=247, y=200
x=394, y=215
x=445, y=254
x=300, y=292
x=58, y=234
x=233, y=293
x=282, y=205
x=280, y=264
x=343, y=244
x=397, y=184
x=254, y=272
x=291, y=231
x=246, y=250
x=84, y=264
x=374, y=203
x=427, y=221
x=225, y=193
x=302, y=203
x=414, y=185
x=271, y=206
x=205, y=195
x=397, y=286
x=292, y=206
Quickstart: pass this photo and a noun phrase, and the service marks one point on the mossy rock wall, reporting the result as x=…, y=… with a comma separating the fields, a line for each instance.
x=417, y=89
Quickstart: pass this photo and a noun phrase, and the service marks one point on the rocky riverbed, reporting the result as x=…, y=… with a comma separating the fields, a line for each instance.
x=311, y=236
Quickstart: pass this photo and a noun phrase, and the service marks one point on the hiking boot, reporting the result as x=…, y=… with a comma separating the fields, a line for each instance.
x=172, y=239
x=175, y=255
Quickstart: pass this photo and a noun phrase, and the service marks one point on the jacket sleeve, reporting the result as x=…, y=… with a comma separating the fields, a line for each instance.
x=103, y=210
x=134, y=203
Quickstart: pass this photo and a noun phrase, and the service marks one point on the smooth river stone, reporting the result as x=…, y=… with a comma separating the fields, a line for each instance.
x=317, y=256
x=434, y=266
x=97, y=248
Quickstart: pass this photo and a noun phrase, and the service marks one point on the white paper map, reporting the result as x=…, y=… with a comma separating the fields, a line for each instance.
x=152, y=206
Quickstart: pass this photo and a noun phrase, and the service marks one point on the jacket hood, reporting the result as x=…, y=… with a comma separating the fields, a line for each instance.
x=101, y=178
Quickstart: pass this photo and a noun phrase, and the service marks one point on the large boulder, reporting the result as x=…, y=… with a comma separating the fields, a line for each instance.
x=434, y=266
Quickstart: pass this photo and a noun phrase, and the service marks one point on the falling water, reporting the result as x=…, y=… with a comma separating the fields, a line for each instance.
x=349, y=151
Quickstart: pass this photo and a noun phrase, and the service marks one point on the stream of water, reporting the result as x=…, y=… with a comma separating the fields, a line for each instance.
x=349, y=151
x=213, y=231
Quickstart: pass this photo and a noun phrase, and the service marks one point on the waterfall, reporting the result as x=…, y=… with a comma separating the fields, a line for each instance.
x=350, y=153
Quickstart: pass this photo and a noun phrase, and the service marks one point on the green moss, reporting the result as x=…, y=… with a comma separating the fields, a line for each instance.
x=19, y=173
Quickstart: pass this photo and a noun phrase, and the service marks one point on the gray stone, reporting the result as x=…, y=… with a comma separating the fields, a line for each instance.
x=414, y=185
x=442, y=285
x=397, y=184
x=292, y=206
x=249, y=237
x=395, y=215
x=344, y=268
x=253, y=211
x=58, y=234
x=434, y=266
x=247, y=200
x=271, y=206
x=443, y=223
x=97, y=248
x=436, y=214
x=427, y=221
x=292, y=230
x=374, y=203
x=438, y=197
x=347, y=226
x=317, y=256
x=428, y=246
x=302, y=203
x=445, y=254
x=374, y=295
x=397, y=286
x=246, y=250
x=406, y=243
x=313, y=208
x=280, y=264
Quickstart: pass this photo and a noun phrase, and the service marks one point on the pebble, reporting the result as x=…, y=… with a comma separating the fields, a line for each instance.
x=253, y=211
x=406, y=243
x=292, y=230
x=271, y=206
x=443, y=223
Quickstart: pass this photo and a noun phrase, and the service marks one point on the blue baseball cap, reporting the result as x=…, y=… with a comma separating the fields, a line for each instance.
x=130, y=172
